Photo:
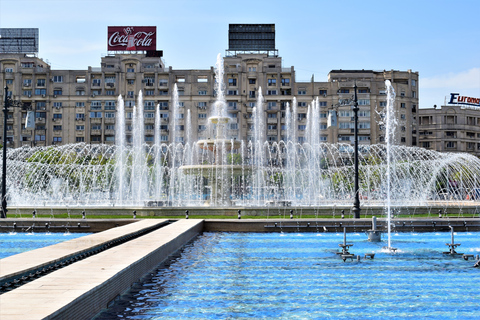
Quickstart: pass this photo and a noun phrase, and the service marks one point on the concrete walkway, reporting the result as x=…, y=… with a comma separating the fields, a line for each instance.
x=82, y=289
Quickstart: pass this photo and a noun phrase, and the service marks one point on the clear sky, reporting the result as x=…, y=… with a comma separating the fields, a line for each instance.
x=437, y=38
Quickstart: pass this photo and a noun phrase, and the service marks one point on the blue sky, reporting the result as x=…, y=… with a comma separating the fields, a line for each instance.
x=439, y=39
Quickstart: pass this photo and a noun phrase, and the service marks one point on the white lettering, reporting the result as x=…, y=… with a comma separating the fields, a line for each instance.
x=141, y=39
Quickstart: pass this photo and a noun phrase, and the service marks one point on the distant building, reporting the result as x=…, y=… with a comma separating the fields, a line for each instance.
x=450, y=128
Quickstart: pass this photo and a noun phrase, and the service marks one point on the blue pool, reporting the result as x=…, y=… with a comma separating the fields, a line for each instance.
x=14, y=243
x=299, y=276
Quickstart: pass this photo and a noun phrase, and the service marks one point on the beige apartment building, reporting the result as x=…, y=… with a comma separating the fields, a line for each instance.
x=450, y=128
x=74, y=106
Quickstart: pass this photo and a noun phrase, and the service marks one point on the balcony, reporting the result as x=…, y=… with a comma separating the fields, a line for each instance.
x=95, y=120
x=109, y=132
x=110, y=120
x=95, y=132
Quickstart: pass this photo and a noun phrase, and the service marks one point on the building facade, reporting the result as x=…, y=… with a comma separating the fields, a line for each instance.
x=74, y=106
x=450, y=128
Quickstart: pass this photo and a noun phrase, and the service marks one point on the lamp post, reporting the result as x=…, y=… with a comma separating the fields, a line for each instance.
x=356, y=201
x=8, y=102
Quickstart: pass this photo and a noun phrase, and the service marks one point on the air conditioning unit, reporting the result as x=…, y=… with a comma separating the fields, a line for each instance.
x=29, y=96
x=93, y=95
x=43, y=96
x=54, y=95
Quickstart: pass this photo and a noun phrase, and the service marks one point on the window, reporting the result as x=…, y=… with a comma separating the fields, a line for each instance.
x=57, y=105
x=79, y=139
x=110, y=92
x=252, y=81
x=57, y=92
x=271, y=127
x=180, y=127
x=95, y=115
x=57, y=128
x=79, y=116
x=232, y=105
x=302, y=127
x=302, y=92
x=363, y=90
x=149, y=115
x=402, y=116
x=346, y=113
x=149, y=92
x=363, y=102
x=79, y=104
x=110, y=105
x=344, y=91
x=110, y=115
x=130, y=81
x=322, y=103
x=301, y=104
x=39, y=138
x=271, y=92
x=232, y=92
x=232, y=115
x=322, y=92
x=402, y=105
x=57, y=139
x=202, y=79
x=202, y=92
x=80, y=128
x=272, y=116
x=57, y=116
x=252, y=69
x=129, y=103
x=272, y=82
x=383, y=103
x=426, y=145
x=285, y=82
x=148, y=138
x=251, y=94
x=163, y=82
x=302, y=116
x=40, y=82
x=179, y=116
x=130, y=69
x=202, y=128
x=96, y=138
x=363, y=125
x=27, y=93
x=40, y=92
x=364, y=113
x=8, y=70
x=450, y=144
x=27, y=82
x=202, y=116
x=271, y=105
x=57, y=78
x=232, y=82
x=301, y=139
x=41, y=105
x=163, y=115
x=96, y=82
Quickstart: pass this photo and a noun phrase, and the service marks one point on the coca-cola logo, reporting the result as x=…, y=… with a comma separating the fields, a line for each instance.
x=131, y=38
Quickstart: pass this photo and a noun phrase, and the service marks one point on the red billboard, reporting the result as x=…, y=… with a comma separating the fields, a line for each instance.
x=132, y=38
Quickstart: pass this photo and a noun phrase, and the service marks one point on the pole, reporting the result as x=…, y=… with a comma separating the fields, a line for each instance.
x=356, y=203
x=4, y=159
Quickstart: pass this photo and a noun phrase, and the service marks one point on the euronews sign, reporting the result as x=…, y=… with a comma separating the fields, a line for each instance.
x=456, y=98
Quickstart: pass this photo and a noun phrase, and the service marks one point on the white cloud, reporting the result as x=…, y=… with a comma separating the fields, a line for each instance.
x=469, y=79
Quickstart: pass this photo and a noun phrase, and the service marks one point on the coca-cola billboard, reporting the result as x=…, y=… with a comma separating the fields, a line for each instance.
x=132, y=38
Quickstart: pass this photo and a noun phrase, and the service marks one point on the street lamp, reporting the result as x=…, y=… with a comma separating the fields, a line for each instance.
x=356, y=201
x=8, y=102
x=344, y=102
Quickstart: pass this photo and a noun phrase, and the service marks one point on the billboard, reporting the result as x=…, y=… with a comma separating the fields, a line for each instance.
x=132, y=38
x=456, y=98
x=245, y=37
x=18, y=40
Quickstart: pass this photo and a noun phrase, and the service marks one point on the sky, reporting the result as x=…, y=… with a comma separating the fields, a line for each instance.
x=436, y=38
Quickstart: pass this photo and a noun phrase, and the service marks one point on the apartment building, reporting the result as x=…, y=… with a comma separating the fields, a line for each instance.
x=450, y=128
x=80, y=105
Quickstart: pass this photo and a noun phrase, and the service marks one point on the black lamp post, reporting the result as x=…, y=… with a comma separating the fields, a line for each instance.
x=8, y=102
x=356, y=201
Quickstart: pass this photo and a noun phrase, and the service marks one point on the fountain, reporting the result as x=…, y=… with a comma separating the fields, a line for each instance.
x=223, y=172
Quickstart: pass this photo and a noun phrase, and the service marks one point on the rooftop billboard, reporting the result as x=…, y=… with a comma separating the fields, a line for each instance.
x=132, y=38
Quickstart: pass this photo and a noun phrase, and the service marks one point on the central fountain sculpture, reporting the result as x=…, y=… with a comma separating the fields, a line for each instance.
x=222, y=171
x=219, y=185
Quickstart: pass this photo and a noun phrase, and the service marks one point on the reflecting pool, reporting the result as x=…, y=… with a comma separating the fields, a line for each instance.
x=298, y=275
x=14, y=243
